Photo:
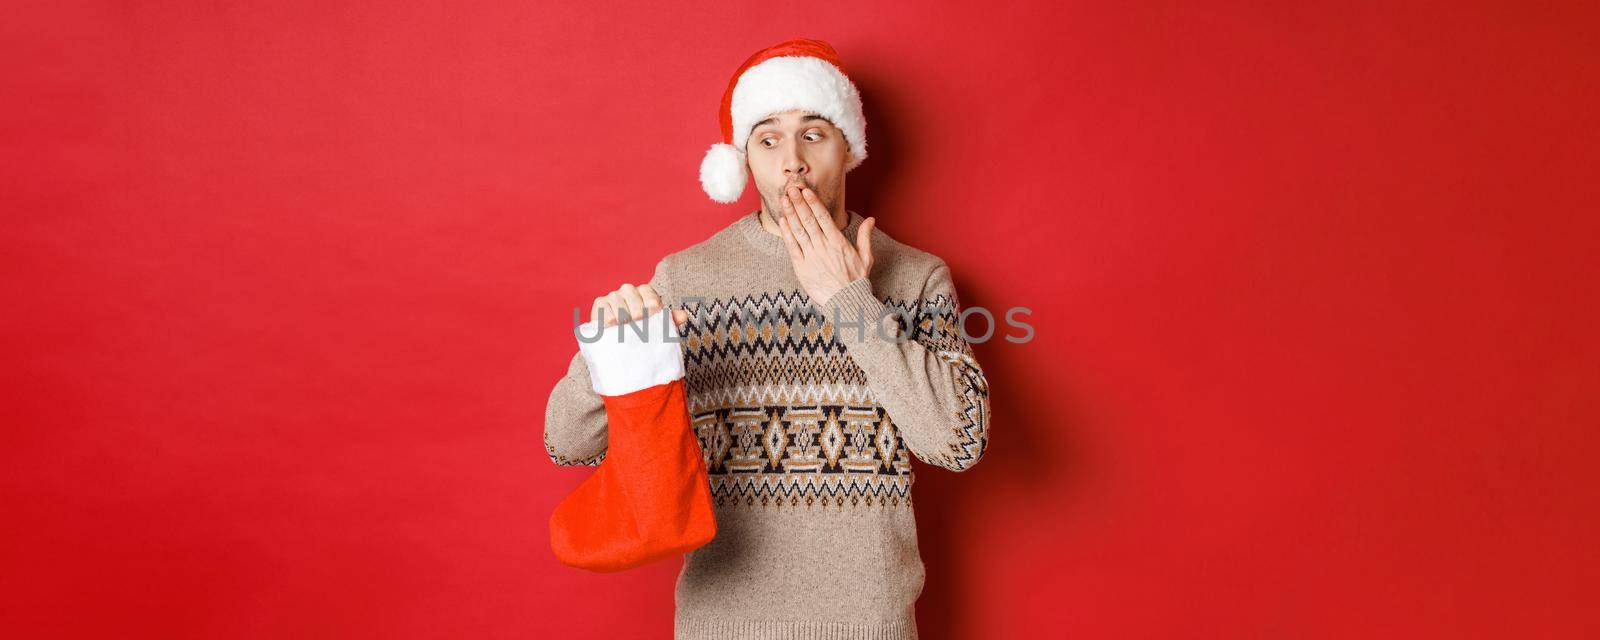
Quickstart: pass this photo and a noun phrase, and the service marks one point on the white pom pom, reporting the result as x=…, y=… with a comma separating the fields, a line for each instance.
x=722, y=173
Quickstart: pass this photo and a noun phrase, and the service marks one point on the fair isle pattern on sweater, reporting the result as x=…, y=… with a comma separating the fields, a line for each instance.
x=811, y=432
x=785, y=418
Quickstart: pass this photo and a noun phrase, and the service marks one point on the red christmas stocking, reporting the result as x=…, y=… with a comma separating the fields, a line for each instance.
x=650, y=498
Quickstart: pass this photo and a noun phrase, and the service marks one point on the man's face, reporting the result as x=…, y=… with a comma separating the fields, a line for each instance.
x=797, y=148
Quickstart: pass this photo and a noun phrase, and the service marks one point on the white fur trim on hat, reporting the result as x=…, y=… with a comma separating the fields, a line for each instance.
x=722, y=173
x=799, y=82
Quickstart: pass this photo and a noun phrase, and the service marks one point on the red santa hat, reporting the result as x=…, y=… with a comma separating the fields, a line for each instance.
x=794, y=74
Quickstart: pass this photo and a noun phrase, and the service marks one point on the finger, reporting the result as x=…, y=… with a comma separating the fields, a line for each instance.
x=808, y=219
x=603, y=312
x=864, y=241
x=619, y=307
x=679, y=317
x=795, y=228
x=795, y=253
x=652, y=300
x=630, y=296
x=792, y=216
x=825, y=222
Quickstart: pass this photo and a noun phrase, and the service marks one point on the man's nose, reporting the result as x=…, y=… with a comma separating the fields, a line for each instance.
x=794, y=166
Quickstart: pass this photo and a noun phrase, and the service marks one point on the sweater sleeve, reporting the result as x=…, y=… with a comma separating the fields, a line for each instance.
x=928, y=381
x=575, y=415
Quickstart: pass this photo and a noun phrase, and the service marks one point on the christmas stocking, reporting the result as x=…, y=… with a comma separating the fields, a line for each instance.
x=650, y=498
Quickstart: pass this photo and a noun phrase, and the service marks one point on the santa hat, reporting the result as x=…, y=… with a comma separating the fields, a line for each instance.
x=793, y=74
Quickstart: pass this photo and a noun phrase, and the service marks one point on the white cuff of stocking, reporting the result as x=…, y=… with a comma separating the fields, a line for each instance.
x=628, y=357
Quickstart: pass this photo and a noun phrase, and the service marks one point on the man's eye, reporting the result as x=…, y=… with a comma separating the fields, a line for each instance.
x=764, y=142
x=813, y=133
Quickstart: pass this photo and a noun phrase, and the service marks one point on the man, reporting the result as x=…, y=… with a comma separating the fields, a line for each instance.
x=807, y=424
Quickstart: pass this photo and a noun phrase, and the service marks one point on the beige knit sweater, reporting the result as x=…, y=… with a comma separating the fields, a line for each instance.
x=807, y=425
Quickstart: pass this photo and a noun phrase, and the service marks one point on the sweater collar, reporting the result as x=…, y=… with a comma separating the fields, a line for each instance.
x=770, y=243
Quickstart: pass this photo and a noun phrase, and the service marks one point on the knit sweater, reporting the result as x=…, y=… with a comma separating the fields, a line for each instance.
x=808, y=424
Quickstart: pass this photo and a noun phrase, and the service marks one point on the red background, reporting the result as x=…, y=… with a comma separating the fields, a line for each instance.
x=1313, y=291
